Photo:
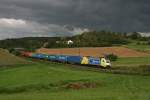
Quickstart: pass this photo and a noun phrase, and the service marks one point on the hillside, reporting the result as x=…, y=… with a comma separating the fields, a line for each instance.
x=29, y=43
x=87, y=39
x=8, y=59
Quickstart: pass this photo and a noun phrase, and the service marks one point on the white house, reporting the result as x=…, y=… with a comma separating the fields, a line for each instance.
x=69, y=42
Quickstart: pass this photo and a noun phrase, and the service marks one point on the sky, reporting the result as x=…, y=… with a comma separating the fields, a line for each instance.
x=42, y=18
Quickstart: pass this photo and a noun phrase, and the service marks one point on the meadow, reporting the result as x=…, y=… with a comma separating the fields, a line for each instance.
x=132, y=61
x=41, y=80
x=44, y=81
x=139, y=47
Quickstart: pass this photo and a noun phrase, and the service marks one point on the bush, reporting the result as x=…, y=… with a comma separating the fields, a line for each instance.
x=112, y=57
x=148, y=43
x=138, y=43
x=13, y=51
x=10, y=50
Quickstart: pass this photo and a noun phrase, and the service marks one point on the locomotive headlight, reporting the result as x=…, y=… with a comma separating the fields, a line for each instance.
x=108, y=63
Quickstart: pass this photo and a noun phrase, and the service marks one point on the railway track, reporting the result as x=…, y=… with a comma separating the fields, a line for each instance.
x=141, y=70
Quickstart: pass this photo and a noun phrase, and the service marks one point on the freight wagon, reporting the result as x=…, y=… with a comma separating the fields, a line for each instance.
x=103, y=62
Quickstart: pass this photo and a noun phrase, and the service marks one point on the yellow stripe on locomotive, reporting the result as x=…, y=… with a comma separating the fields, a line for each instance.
x=103, y=62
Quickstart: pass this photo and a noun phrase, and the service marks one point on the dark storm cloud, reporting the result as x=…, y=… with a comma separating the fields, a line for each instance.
x=114, y=15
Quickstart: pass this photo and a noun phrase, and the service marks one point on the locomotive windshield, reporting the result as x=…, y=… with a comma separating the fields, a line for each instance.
x=107, y=61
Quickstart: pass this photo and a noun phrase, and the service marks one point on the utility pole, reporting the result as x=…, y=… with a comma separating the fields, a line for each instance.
x=79, y=49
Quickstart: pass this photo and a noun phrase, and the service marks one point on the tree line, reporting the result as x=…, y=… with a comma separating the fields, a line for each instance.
x=86, y=39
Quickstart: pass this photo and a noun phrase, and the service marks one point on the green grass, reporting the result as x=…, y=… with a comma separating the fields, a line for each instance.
x=8, y=59
x=112, y=87
x=132, y=61
x=46, y=81
x=40, y=74
x=138, y=47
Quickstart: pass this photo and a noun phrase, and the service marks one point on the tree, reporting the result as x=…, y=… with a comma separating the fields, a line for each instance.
x=135, y=36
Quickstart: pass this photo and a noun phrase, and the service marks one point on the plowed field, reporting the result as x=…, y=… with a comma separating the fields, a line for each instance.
x=96, y=52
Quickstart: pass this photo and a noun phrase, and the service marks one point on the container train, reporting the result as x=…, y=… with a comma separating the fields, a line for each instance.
x=83, y=60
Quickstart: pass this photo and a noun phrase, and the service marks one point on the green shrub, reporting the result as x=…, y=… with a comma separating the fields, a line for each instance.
x=112, y=57
x=13, y=51
x=148, y=43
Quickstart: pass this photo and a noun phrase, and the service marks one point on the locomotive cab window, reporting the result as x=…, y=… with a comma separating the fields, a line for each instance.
x=103, y=60
x=107, y=61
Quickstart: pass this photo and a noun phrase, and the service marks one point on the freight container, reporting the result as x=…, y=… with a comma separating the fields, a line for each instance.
x=26, y=54
x=61, y=58
x=52, y=57
x=46, y=56
x=39, y=56
x=74, y=59
x=35, y=55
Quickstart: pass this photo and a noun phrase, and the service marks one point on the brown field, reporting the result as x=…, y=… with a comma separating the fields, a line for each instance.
x=96, y=52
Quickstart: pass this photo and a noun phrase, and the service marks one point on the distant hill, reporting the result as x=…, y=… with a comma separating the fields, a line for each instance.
x=8, y=59
x=28, y=42
x=86, y=39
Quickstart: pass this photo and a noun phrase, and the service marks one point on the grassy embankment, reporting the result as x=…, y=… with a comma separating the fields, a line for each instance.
x=7, y=59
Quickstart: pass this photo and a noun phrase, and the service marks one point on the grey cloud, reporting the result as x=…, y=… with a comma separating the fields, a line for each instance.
x=113, y=15
x=15, y=28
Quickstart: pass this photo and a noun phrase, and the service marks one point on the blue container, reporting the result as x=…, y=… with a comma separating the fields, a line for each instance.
x=74, y=59
x=94, y=61
x=61, y=58
x=39, y=56
x=46, y=56
x=43, y=56
x=52, y=57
